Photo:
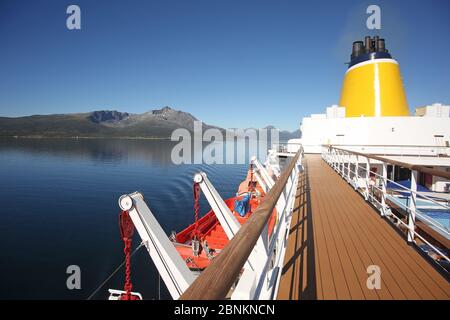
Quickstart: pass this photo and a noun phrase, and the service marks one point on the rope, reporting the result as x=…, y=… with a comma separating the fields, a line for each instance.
x=113, y=273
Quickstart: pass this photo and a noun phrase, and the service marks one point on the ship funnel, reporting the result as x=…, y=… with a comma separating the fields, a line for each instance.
x=372, y=85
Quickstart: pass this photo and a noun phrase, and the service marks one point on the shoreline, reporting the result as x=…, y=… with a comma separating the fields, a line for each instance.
x=84, y=137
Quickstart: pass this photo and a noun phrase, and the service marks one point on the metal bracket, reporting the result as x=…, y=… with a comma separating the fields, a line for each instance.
x=226, y=219
x=261, y=182
x=264, y=174
x=173, y=270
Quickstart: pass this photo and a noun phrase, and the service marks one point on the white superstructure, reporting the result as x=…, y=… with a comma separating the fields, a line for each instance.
x=422, y=139
x=332, y=127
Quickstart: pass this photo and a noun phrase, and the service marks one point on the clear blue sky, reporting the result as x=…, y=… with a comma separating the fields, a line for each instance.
x=230, y=63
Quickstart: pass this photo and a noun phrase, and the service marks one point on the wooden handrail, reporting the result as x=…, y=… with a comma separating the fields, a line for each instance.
x=434, y=172
x=216, y=280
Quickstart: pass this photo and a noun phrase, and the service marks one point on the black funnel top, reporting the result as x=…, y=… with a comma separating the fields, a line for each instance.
x=369, y=49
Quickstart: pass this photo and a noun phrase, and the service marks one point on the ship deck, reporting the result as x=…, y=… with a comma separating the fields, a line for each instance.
x=335, y=235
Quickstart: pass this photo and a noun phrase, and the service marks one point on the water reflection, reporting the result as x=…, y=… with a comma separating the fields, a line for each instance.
x=97, y=150
x=59, y=207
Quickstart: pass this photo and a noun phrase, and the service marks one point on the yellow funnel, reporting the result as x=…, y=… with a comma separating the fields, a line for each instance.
x=372, y=85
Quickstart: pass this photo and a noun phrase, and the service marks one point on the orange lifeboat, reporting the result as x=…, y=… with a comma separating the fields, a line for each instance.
x=211, y=236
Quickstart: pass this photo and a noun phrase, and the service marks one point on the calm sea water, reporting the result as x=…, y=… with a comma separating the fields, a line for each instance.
x=58, y=207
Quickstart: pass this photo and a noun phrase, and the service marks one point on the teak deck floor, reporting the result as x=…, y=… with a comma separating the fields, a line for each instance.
x=335, y=235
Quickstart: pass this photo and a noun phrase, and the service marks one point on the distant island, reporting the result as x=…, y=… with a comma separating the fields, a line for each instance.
x=155, y=124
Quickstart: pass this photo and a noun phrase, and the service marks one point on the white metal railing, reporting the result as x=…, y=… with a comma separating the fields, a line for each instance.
x=354, y=167
x=263, y=282
x=400, y=150
x=260, y=280
x=286, y=147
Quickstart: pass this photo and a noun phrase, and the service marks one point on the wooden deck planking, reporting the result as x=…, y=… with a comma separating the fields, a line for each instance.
x=347, y=249
x=414, y=262
x=335, y=235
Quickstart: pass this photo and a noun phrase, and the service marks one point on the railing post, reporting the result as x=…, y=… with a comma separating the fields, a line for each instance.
x=344, y=165
x=328, y=153
x=357, y=172
x=345, y=171
x=338, y=163
x=383, y=189
x=412, y=206
x=338, y=158
x=348, y=166
x=367, y=178
x=334, y=158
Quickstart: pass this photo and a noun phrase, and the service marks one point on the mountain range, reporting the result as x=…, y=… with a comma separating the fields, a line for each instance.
x=285, y=135
x=159, y=123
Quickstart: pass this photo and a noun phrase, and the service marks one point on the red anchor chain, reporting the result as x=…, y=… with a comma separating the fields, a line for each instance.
x=196, y=234
x=126, y=232
x=251, y=189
